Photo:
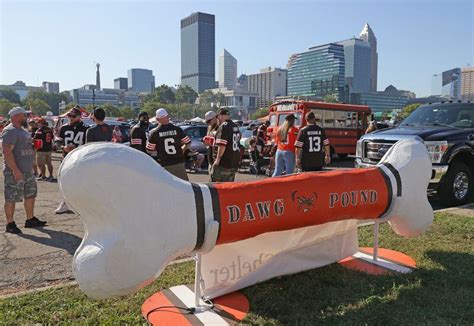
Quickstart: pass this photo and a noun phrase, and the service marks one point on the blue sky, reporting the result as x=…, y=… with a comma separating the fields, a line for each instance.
x=61, y=40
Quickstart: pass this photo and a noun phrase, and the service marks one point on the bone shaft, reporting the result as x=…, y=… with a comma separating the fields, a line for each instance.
x=249, y=209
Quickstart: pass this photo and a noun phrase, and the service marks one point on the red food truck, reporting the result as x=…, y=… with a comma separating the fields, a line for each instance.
x=344, y=123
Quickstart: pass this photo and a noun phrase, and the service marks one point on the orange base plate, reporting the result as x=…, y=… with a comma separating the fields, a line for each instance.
x=162, y=308
x=389, y=261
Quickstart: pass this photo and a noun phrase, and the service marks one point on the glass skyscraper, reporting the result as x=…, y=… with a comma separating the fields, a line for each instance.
x=318, y=72
x=357, y=61
x=198, y=51
x=141, y=80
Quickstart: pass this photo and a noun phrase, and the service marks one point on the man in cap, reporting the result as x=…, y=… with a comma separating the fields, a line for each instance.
x=101, y=131
x=139, y=132
x=43, y=143
x=262, y=135
x=228, y=151
x=212, y=125
x=19, y=181
x=169, y=142
x=71, y=135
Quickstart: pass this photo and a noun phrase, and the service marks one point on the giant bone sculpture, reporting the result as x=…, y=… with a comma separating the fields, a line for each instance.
x=138, y=217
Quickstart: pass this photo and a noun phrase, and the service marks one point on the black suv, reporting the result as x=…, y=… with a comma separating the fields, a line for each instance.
x=447, y=130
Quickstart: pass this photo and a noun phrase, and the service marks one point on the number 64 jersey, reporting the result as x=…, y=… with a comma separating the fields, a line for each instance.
x=166, y=140
x=312, y=139
x=228, y=135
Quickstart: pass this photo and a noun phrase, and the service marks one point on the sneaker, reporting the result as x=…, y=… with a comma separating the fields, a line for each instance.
x=12, y=228
x=41, y=178
x=51, y=179
x=34, y=223
x=63, y=209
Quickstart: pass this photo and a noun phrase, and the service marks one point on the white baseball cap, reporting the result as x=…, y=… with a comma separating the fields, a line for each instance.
x=161, y=113
x=16, y=110
x=210, y=115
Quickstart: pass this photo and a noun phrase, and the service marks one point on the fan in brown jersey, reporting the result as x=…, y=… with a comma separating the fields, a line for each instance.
x=228, y=151
x=43, y=143
x=312, y=146
x=71, y=135
x=138, y=133
x=169, y=142
x=212, y=125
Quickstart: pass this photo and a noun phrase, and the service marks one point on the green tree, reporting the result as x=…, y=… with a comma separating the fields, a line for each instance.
x=5, y=106
x=259, y=113
x=127, y=112
x=37, y=106
x=208, y=98
x=53, y=100
x=9, y=95
x=407, y=110
x=330, y=99
x=110, y=110
x=164, y=94
x=186, y=94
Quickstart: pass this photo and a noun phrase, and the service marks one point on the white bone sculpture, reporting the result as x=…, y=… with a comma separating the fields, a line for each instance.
x=138, y=217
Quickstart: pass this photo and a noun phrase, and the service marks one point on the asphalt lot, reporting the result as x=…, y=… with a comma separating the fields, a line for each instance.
x=41, y=257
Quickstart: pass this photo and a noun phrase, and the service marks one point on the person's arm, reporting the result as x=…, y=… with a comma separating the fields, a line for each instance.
x=299, y=147
x=9, y=141
x=89, y=136
x=185, y=140
x=327, y=148
x=151, y=143
x=221, y=143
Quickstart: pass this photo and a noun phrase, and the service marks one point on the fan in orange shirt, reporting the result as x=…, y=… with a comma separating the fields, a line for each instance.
x=285, y=140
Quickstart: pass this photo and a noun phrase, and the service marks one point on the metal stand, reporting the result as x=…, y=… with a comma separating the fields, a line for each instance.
x=376, y=241
x=200, y=305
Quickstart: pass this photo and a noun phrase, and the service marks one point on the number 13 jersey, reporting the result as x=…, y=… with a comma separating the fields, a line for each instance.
x=167, y=140
x=312, y=139
x=228, y=135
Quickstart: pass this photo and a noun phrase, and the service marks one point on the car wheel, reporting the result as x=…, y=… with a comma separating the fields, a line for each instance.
x=457, y=187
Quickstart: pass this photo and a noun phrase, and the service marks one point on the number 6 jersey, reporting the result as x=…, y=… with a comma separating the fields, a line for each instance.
x=166, y=140
x=312, y=139
x=228, y=135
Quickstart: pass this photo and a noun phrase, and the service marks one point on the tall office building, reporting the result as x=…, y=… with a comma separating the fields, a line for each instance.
x=368, y=35
x=318, y=72
x=198, y=55
x=467, y=84
x=451, y=84
x=121, y=83
x=141, y=80
x=357, y=55
x=227, y=70
x=436, y=84
x=268, y=84
x=51, y=87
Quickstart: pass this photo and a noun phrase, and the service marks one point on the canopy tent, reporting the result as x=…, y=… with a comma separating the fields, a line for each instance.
x=198, y=120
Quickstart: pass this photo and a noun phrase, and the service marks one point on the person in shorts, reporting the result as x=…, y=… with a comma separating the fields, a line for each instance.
x=228, y=150
x=19, y=180
x=43, y=143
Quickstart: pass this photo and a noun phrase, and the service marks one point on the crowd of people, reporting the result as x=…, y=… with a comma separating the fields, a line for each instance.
x=28, y=150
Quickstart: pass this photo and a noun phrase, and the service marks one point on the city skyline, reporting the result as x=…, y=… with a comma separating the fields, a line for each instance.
x=408, y=55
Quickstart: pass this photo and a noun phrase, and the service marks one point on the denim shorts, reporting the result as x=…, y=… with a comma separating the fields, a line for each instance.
x=16, y=191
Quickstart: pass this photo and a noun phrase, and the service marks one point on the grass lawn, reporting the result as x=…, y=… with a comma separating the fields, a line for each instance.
x=440, y=291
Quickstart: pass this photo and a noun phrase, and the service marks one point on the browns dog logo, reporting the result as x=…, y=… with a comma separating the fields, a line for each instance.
x=305, y=203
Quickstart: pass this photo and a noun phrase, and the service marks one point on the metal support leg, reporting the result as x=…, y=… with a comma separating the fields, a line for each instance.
x=199, y=304
x=376, y=241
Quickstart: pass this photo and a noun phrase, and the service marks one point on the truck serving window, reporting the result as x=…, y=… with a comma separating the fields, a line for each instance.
x=281, y=118
x=461, y=116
